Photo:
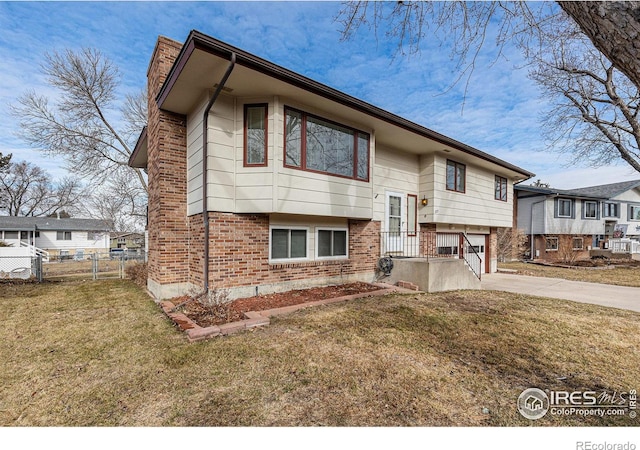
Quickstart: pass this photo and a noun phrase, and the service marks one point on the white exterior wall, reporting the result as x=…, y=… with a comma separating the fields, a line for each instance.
x=397, y=172
x=232, y=187
x=577, y=225
x=79, y=240
x=477, y=205
x=532, y=207
x=630, y=197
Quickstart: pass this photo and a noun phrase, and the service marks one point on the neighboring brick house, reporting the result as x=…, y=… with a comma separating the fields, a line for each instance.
x=564, y=224
x=304, y=185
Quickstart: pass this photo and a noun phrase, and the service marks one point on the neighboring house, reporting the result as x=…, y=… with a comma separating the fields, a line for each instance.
x=570, y=222
x=302, y=184
x=130, y=241
x=54, y=237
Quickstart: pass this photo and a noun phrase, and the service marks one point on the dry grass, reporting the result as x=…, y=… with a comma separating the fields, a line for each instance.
x=101, y=353
x=620, y=276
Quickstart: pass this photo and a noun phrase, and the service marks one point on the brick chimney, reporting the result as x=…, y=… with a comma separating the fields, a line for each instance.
x=167, y=171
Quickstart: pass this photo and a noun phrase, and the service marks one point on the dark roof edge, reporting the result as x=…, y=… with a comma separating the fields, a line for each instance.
x=198, y=40
x=556, y=192
x=138, y=147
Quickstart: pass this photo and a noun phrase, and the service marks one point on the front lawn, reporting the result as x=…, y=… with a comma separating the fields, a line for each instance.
x=102, y=354
x=620, y=276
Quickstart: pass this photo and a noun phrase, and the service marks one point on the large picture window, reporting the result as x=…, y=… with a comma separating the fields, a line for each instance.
x=288, y=243
x=331, y=243
x=319, y=145
x=456, y=174
x=255, y=135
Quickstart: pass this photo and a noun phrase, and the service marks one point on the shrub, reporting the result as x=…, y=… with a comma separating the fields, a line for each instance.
x=138, y=273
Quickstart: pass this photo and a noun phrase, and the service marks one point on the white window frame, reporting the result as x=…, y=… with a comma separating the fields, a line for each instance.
x=317, y=243
x=584, y=209
x=546, y=240
x=573, y=245
x=607, y=205
x=631, y=216
x=64, y=236
x=288, y=227
x=571, y=206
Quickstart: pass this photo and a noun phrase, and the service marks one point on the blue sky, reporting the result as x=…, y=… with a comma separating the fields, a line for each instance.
x=501, y=107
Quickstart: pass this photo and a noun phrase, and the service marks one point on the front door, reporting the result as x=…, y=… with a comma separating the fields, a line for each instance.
x=394, y=240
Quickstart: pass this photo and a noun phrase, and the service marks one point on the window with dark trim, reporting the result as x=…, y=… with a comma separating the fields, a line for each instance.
x=564, y=208
x=319, y=145
x=412, y=214
x=634, y=212
x=501, y=188
x=589, y=209
x=63, y=235
x=331, y=243
x=610, y=209
x=255, y=134
x=456, y=174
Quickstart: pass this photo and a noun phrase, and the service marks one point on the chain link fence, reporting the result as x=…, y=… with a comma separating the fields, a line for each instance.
x=94, y=266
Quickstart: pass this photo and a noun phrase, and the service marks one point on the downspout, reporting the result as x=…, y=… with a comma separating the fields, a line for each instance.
x=205, y=126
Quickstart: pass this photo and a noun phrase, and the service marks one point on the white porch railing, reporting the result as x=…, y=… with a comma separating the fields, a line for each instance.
x=624, y=245
x=35, y=251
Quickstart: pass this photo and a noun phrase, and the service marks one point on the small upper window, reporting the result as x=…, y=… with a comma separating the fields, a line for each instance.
x=63, y=235
x=564, y=207
x=255, y=135
x=456, y=174
x=611, y=209
x=501, y=188
x=634, y=212
x=590, y=209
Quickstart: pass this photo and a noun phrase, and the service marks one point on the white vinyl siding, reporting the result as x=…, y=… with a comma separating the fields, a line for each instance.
x=394, y=171
x=476, y=206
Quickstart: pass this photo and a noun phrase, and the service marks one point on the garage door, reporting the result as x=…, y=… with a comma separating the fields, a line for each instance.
x=477, y=241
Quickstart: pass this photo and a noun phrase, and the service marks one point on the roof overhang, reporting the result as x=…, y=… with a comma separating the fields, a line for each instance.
x=138, y=158
x=203, y=60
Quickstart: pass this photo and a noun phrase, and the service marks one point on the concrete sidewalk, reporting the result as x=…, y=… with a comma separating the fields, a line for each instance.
x=598, y=294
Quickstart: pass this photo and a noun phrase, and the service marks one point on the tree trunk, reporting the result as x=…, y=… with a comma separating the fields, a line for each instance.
x=614, y=29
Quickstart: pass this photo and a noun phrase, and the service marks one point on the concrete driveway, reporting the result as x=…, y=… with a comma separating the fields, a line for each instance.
x=598, y=294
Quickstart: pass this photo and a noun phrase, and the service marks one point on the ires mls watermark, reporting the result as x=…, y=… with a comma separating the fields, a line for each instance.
x=534, y=403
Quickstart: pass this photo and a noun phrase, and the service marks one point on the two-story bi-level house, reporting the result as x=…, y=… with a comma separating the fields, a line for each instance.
x=262, y=180
x=577, y=219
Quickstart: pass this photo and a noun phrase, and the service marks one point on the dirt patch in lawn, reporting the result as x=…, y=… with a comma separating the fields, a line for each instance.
x=207, y=314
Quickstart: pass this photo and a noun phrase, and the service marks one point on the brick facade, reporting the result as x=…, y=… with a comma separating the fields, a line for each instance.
x=565, y=251
x=239, y=254
x=167, y=170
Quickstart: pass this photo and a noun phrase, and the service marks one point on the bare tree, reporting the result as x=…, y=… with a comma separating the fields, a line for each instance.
x=120, y=201
x=613, y=28
x=27, y=190
x=594, y=113
x=595, y=107
x=512, y=244
x=4, y=161
x=82, y=125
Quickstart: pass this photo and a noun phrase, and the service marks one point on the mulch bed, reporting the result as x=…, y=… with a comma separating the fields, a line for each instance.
x=234, y=311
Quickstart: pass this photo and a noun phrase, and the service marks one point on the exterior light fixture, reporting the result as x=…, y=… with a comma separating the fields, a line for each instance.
x=425, y=202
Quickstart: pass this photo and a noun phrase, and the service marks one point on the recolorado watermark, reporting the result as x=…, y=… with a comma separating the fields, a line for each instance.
x=534, y=403
x=588, y=445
